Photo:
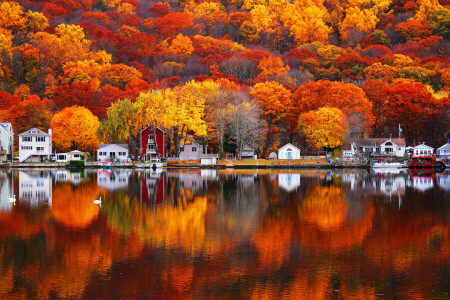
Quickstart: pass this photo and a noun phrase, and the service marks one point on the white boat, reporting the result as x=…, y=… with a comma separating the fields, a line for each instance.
x=153, y=164
x=378, y=164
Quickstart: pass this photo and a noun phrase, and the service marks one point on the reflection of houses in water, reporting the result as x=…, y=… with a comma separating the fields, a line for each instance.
x=113, y=180
x=192, y=181
x=421, y=179
x=35, y=187
x=381, y=184
x=153, y=187
x=6, y=191
x=208, y=173
x=66, y=176
x=443, y=181
x=289, y=182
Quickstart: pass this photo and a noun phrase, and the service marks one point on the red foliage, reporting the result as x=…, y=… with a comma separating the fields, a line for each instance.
x=410, y=48
x=159, y=10
x=132, y=21
x=376, y=51
x=52, y=10
x=172, y=24
x=255, y=55
x=169, y=82
x=7, y=100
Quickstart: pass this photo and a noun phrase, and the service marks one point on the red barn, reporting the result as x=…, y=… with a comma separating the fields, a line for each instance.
x=151, y=137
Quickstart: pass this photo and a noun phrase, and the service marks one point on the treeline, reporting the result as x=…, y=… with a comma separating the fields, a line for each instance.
x=309, y=72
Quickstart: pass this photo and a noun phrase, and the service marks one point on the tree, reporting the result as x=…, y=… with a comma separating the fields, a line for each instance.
x=324, y=127
x=275, y=100
x=347, y=97
x=75, y=127
x=245, y=125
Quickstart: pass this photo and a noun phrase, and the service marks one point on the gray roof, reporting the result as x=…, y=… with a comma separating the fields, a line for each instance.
x=445, y=147
x=6, y=126
x=346, y=146
x=38, y=132
x=372, y=142
x=106, y=145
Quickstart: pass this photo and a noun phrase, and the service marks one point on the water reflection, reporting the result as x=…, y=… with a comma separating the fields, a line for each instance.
x=224, y=234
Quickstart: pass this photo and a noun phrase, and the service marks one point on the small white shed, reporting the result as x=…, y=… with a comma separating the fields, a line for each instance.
x=208, y=159
x=72, y=155
x=289, y=151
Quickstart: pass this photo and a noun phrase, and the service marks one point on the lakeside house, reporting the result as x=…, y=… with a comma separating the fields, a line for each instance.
x=444, y=151
x=381, y=147
x=151, y=139
x=6, y=141
x=72, y=155
x=192, y=150
x=112, y=152
x=288, y=151
x=35, y=145
x=422, y=150
x=349, y=150
x=35, y=188
x=247, y=153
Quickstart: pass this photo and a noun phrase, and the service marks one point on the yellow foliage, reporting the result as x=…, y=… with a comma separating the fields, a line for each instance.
x=126, y=9
x=36, y=21
x=181, y=45
x=225, y=45
x=80, y=71
x=199, y=10
x=261, y=18
x=5, y=42
x=22, y=91
x=401, y=61
x=380, y=71
x=11, y=15
x=324, y=127
x=427, y=8
x=126, y=31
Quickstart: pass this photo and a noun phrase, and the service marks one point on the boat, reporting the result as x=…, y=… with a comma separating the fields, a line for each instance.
x=443, y=162
x=153, y=164
x=421, y=161
x=384, y=163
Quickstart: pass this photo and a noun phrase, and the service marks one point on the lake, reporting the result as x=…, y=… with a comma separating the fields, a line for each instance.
x=225, y=234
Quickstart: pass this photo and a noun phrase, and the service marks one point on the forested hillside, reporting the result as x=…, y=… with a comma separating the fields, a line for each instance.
x=311, y=72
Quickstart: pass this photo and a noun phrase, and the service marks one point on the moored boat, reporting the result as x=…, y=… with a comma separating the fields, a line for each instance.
x=384, y=163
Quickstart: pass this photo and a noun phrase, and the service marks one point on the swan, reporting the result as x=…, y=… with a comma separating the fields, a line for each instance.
x=99, y=201
x=13, y=200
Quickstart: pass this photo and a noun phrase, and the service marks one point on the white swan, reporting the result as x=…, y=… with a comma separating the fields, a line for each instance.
x=13, y=200
x=99, y=201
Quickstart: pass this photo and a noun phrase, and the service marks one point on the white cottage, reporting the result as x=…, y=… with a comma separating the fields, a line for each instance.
x=112, y=152
x=349, y=150
x=72, y=155
x=6, y=141
x=192, y=150
x=444, y=151
x=423, y=150
x=382, y=146
x=35, y=145
x=289, y=151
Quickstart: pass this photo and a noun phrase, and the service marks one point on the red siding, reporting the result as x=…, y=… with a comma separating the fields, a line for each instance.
x=160, y=140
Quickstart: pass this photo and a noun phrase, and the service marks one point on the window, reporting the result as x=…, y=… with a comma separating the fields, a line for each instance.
x=40, y=149
x=194, y=149
x=26, y=139
x=151, y=147
x=40, y=139
x=27, y=147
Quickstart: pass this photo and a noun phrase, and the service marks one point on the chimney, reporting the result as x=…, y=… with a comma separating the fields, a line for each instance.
x=50, y=131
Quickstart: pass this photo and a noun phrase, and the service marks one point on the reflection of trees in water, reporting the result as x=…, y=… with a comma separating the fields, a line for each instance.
x=231, y=238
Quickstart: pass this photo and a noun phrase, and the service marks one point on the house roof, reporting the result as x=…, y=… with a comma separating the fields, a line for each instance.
x=101, y=146
x=423, y=146
x=288, y=145
x=76, y=151
x=34, y=132
x=347, y=146
x=6, y=126
x=145, y=128
x=372, y=142
x=247, y=148
x=445, y=147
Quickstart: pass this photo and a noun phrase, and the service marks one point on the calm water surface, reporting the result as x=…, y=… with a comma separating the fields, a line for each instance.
x=224, y=234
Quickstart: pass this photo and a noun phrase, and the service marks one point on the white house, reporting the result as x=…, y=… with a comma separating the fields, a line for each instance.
x=444, y=151
x=109, y=152
x=288, y=181
x=208, y=159
x=6, y=141
x=35, y=145
x=423, y=150
x=72, y=155
x=382, y=146
x=247, y=152
x=349, y=150
x=192, y=150
x=289, y=151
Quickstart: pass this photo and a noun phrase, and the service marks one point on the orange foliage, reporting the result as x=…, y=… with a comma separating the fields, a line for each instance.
x=73, y=207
